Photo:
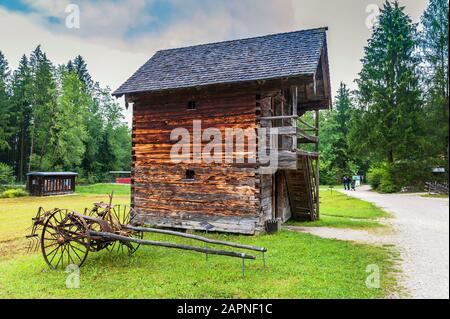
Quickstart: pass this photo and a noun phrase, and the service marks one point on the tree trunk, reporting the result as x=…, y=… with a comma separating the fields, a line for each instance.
x=21, y=156
x=31, y=148
x=390, y=157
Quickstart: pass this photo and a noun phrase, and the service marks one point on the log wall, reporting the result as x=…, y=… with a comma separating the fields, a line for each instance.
x=225, y=195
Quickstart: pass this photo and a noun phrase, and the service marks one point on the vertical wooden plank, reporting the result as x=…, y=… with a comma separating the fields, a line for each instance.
x=294, y=113
x=317, y=164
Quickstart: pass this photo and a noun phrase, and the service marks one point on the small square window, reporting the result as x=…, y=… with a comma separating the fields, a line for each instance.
x=190, y=174
x=192, y=105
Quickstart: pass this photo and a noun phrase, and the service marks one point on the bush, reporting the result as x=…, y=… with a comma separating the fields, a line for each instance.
x=387, y=184
x=374, y=177
x=13, y=193
x=412, y=174
x=6, y=174
x=382, y=178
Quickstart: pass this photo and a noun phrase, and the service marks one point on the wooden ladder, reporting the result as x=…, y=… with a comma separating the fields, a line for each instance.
x=303, y=191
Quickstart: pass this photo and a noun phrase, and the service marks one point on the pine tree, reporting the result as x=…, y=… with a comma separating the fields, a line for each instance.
x=110, y=155
x=68, y=132
x=81, y=69
x=336, y=154
x=389, y=89
x=21, y=103
x=43, y=103
x=436, y=78
x=5, y=106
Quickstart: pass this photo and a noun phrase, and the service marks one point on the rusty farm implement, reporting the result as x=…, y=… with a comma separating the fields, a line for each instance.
x=66, y=237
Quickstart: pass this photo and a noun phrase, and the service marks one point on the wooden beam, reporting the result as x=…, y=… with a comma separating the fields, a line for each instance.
x=284, y=117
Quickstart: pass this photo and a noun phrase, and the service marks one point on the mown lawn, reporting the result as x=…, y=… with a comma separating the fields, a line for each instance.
x=298, y=265
x=342, y=211
x=119, y=190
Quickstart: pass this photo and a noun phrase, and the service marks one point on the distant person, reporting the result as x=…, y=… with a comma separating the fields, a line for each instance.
x=345, y=182
x=353, y=184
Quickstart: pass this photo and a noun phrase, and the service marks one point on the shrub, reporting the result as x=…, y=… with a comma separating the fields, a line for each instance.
x=411, y=173
x=374, y=176
x=6, y=174
x=82, y=181
x=387, y=184
x=13, y=193
x=382, y=178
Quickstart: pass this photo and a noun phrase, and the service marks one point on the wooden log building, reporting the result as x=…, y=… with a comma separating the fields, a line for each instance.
x=51, y=183
x=264, y=82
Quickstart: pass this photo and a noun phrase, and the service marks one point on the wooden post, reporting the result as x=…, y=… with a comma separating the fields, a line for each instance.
x=317, y=165
x=294, y=113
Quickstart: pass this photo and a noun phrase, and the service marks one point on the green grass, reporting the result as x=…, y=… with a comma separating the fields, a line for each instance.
x=103, y=189
x=16, y=213
x=298, y=265
x=342, y=211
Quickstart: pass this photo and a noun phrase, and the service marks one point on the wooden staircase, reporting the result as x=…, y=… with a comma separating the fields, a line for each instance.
x=302, y=189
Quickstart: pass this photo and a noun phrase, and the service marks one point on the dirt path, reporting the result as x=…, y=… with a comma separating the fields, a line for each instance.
x=421, y=228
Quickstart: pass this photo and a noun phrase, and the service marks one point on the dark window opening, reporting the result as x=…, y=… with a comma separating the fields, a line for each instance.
x=190, y=174
x=192, y=105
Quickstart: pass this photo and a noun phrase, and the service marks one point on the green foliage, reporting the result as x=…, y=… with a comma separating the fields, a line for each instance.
x=6, y=174
x=435, y=78
x=44, y=103
x=388, y=89
x=68, y=132
x=382, y=178
x=5, y=107
x=13, y=193
x=337, y=156
x=58, y=118
x=388, y=185
x=374, y=176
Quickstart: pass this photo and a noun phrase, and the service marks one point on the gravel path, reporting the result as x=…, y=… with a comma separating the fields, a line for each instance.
x=359, y=236
x=422, y=234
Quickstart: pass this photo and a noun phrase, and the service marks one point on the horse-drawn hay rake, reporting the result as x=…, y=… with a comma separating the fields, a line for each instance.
x=66, y=237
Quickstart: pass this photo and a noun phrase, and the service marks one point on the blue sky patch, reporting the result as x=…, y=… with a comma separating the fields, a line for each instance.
x=16, y=5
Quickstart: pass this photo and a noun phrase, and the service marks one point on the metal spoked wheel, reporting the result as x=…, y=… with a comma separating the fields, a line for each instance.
x=65, y=240
x=122, y=214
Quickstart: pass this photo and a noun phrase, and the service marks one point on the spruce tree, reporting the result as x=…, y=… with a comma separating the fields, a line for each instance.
x=81, y=69
x=436, y=79
x=5, y=106
x=43, y=103
x=68, y=131
x=389, y=92
x=21, y=103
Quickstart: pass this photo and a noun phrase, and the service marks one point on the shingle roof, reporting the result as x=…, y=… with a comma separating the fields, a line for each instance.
x=267, y=57
x=52, y=174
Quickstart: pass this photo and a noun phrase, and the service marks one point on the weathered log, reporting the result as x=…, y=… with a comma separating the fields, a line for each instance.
x=208, y=251
x=195, y=237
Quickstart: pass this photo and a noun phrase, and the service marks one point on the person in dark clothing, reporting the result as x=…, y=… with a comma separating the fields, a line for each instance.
x=353, y=185
x=345, y=182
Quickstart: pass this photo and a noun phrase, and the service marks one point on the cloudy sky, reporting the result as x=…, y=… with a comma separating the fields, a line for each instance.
x=117, y=36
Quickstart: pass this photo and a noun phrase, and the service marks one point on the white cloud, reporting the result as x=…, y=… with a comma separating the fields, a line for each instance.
x=110, y=22
x=112, y=55
x=109, y=66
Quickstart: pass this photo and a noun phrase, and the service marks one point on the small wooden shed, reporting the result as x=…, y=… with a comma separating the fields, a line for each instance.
x=263, y=84
x=51, y=183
